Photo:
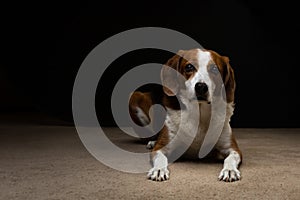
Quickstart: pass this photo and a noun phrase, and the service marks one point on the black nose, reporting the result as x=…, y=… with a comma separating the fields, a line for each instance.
x=201, y=88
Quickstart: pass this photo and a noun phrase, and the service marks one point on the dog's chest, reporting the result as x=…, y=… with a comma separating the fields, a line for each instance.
x=189, y=123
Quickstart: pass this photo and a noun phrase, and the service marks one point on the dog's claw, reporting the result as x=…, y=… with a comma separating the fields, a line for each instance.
x=158, y=174
x=229, y=175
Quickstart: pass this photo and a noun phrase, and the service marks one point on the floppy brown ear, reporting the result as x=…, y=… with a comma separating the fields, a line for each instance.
x=229, y=81
x=169, y=77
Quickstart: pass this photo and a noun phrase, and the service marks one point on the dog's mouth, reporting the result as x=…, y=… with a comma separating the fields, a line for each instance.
x=202, y=99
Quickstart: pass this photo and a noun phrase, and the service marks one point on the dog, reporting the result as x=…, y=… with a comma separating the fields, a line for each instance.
x=198, y=68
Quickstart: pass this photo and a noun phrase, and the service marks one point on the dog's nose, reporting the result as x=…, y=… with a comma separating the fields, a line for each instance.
x=201, y=88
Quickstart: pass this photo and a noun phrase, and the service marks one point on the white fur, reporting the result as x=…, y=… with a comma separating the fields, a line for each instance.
x=224, y=142
x=142, y=116
x=193, y=112
x=182, y=122
x=159, y=172
x=230, y=170
x=151, y=144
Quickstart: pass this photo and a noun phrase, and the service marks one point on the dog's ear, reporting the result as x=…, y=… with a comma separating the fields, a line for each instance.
x=169, y=75
x=229, y=81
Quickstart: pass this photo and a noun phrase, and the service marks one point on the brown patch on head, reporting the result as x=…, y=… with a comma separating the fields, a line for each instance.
x=189, y=64
x=169, y=76
x=226, y=71
x=183, y=60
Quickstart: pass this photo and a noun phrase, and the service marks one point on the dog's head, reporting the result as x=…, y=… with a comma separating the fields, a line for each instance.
x=201, y=71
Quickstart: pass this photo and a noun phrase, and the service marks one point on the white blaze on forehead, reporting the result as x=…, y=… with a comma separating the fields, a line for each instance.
x=203, y=58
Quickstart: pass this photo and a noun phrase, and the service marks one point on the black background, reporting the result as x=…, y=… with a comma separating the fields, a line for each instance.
x=43, y=46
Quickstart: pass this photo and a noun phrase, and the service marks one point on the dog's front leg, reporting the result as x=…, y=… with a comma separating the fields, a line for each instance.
x=229, y=149
x=160, y=171
x=230, y=170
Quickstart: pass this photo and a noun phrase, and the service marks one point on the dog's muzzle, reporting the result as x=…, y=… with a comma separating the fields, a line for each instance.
x=201, y=91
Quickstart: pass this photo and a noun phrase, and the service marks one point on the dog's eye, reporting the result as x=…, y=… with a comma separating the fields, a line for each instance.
x=189, y=68
x=214, y=69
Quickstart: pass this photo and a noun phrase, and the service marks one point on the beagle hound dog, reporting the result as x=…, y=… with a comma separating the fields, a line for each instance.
x=198, y=68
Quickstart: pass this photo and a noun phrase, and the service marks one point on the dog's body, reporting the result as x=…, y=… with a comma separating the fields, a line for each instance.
x=194, y=92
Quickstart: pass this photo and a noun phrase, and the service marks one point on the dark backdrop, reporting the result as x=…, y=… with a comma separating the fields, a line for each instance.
x=44, y=45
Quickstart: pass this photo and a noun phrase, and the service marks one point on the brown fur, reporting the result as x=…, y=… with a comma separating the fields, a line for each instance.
x=141, y=100
x=172, y=84
x=227, y=74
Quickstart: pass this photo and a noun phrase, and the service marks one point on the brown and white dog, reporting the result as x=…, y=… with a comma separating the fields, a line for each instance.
x=198, y=67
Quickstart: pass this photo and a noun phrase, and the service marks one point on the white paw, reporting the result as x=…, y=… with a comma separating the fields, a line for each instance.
x=158, y=174
x=151, y=144
x=230, y=174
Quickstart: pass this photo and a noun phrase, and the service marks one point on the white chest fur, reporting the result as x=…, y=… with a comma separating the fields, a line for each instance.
x=192, y=126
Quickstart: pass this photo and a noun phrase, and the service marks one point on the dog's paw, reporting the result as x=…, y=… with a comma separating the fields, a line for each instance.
x=229, y=175
x=158, y=174
x=151, y=144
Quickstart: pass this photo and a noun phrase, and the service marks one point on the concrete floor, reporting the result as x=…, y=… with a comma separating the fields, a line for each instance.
x=50, y=162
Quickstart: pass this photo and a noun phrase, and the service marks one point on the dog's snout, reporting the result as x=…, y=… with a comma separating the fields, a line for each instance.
x=201, y=88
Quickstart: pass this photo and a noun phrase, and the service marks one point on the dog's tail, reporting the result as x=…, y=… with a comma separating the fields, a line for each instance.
x=139, y=106
x=150, y=120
